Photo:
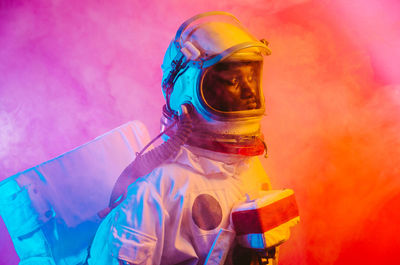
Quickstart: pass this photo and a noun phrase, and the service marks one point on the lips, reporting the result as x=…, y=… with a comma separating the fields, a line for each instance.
x=251, y=103
x=248, y=104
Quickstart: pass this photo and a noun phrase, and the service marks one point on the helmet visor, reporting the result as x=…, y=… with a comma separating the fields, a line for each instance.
x=231, y=86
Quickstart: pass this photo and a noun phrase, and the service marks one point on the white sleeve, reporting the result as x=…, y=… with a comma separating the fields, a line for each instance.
x=137, y=230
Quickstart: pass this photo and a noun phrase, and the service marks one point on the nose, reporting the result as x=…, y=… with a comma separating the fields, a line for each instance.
x=247, y=90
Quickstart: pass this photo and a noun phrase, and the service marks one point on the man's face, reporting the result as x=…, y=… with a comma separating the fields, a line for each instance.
x=233, y=86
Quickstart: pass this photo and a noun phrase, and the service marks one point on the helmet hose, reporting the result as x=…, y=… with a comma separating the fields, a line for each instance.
x=147, y=162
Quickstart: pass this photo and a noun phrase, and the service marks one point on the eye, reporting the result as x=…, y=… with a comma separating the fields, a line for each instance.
x=233, y=81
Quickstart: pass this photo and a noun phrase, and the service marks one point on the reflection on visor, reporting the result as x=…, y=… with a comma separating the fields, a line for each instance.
x=233, y=86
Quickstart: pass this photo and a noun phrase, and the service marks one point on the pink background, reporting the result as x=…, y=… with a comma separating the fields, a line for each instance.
x=72, y=70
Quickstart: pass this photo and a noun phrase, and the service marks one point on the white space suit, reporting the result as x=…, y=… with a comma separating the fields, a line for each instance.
x=173, y=215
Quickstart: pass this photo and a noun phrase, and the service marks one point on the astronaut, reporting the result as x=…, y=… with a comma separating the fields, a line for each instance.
x=177, y=208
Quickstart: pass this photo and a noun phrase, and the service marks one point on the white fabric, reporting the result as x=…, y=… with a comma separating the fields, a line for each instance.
x=50, y=210
x=155, y=224
x=220, y=248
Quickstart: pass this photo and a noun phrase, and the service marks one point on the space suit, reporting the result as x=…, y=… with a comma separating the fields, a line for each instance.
x=173, y=215
x=178, y=210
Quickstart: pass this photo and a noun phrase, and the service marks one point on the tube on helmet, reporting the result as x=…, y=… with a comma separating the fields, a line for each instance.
x=145, y=163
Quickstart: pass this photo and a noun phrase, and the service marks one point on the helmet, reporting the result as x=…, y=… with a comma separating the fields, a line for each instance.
x=215, y=65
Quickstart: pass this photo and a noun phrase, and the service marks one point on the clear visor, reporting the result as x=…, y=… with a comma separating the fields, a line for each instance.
x=231, y=86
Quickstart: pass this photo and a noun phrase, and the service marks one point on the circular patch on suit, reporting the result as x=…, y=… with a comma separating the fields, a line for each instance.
x=206, y=212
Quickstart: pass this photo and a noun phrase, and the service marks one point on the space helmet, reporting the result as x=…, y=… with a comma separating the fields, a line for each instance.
x=215, y=66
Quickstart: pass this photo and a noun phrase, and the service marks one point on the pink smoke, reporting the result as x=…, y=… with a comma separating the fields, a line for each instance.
x=72, y=70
